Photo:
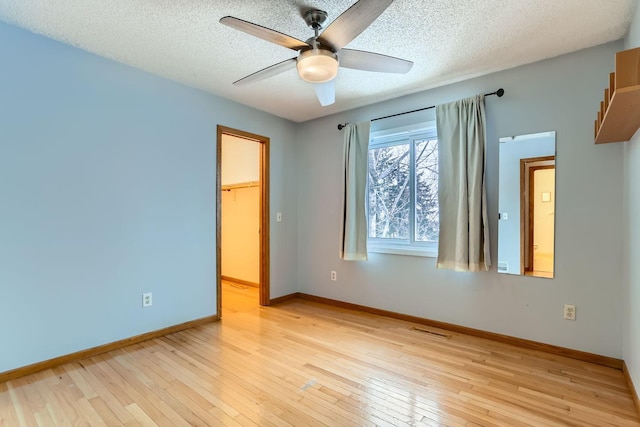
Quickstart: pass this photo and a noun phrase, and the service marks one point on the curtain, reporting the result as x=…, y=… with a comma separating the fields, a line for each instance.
x=463, y=244
x=354, y=222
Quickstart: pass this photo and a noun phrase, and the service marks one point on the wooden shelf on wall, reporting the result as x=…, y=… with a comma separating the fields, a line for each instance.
x=619, y=115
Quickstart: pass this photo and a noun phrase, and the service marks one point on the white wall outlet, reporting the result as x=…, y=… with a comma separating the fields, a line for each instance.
x=570, y=312
x=334, y=276
x=279, y=216
x=147, y=299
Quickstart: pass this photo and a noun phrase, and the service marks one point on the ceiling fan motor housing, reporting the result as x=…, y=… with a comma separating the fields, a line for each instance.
x=318, y=64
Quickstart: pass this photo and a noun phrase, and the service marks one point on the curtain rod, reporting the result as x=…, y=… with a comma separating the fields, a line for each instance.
x=499, y=93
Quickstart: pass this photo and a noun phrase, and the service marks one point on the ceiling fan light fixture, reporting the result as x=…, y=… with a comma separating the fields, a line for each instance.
x=317, y=65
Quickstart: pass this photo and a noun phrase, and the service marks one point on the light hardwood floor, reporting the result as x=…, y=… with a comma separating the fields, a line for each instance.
x=305, y=364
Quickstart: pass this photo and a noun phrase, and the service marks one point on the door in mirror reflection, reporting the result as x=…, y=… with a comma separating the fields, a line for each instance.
x=526, y=227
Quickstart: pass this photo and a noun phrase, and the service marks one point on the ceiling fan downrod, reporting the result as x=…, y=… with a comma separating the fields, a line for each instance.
x=315, y=19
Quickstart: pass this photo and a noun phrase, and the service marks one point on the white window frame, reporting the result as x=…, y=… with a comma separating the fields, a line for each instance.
x=397, y=136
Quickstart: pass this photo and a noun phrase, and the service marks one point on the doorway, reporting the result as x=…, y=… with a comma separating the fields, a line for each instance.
x=537, y=183
x=239, y=189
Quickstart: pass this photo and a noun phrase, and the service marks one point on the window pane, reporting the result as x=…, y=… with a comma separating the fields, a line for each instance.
x=427, y=221
x=389, y=193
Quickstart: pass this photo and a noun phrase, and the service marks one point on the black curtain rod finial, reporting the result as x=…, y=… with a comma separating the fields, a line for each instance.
x=342, y=126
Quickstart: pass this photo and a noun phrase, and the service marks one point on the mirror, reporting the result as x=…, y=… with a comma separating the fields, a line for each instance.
x=526, y=202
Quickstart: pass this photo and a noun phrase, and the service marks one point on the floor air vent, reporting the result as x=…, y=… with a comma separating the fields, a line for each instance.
x=434, y=333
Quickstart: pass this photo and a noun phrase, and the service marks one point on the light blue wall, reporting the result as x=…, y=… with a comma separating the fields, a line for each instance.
x=633, y=36
x=107, y=190
x=560, y=94
x=631, y=296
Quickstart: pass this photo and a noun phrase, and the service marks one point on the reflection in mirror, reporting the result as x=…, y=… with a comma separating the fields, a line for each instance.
x=527, y=198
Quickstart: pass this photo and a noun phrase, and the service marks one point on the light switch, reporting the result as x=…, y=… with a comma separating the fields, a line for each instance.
x=279, y=216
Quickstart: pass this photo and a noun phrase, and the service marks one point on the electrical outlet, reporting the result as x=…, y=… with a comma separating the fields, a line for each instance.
x=334, y=276
x=570, y=312
x=147, y=299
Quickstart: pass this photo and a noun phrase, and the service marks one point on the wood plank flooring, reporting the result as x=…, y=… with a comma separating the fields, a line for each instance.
x=307, y=364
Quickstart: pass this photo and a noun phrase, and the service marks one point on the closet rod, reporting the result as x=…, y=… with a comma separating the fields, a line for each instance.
x=237, y=186
x=499, y=93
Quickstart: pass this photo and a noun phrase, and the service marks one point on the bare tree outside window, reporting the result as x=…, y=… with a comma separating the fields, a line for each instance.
x=398, y=173
x=427, y=219
x=389, y=192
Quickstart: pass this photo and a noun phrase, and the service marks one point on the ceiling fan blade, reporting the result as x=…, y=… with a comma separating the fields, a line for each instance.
x=352, y=22
x=369, y=61
x=326, y=92
x=265, y=73
x=264, y=33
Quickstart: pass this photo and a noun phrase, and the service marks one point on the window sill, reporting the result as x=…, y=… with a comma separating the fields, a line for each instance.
x=403, y=250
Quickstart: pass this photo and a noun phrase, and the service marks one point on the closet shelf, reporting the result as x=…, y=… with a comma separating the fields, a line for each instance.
x=236, y=186
x=619, y=115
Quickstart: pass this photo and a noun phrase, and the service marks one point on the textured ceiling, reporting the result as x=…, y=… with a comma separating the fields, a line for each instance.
x=447, y=40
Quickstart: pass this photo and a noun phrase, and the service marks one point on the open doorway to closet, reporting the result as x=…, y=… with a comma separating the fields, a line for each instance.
x=537, y=222
x=242, y=220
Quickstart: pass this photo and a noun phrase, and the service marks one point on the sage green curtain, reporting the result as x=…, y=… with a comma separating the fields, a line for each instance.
x=354, y=224
x=463, y=243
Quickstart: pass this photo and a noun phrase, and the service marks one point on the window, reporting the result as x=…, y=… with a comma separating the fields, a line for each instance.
x=403, y=192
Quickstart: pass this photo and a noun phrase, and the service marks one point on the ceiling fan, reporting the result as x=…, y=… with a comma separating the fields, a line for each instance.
x=320, y=56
